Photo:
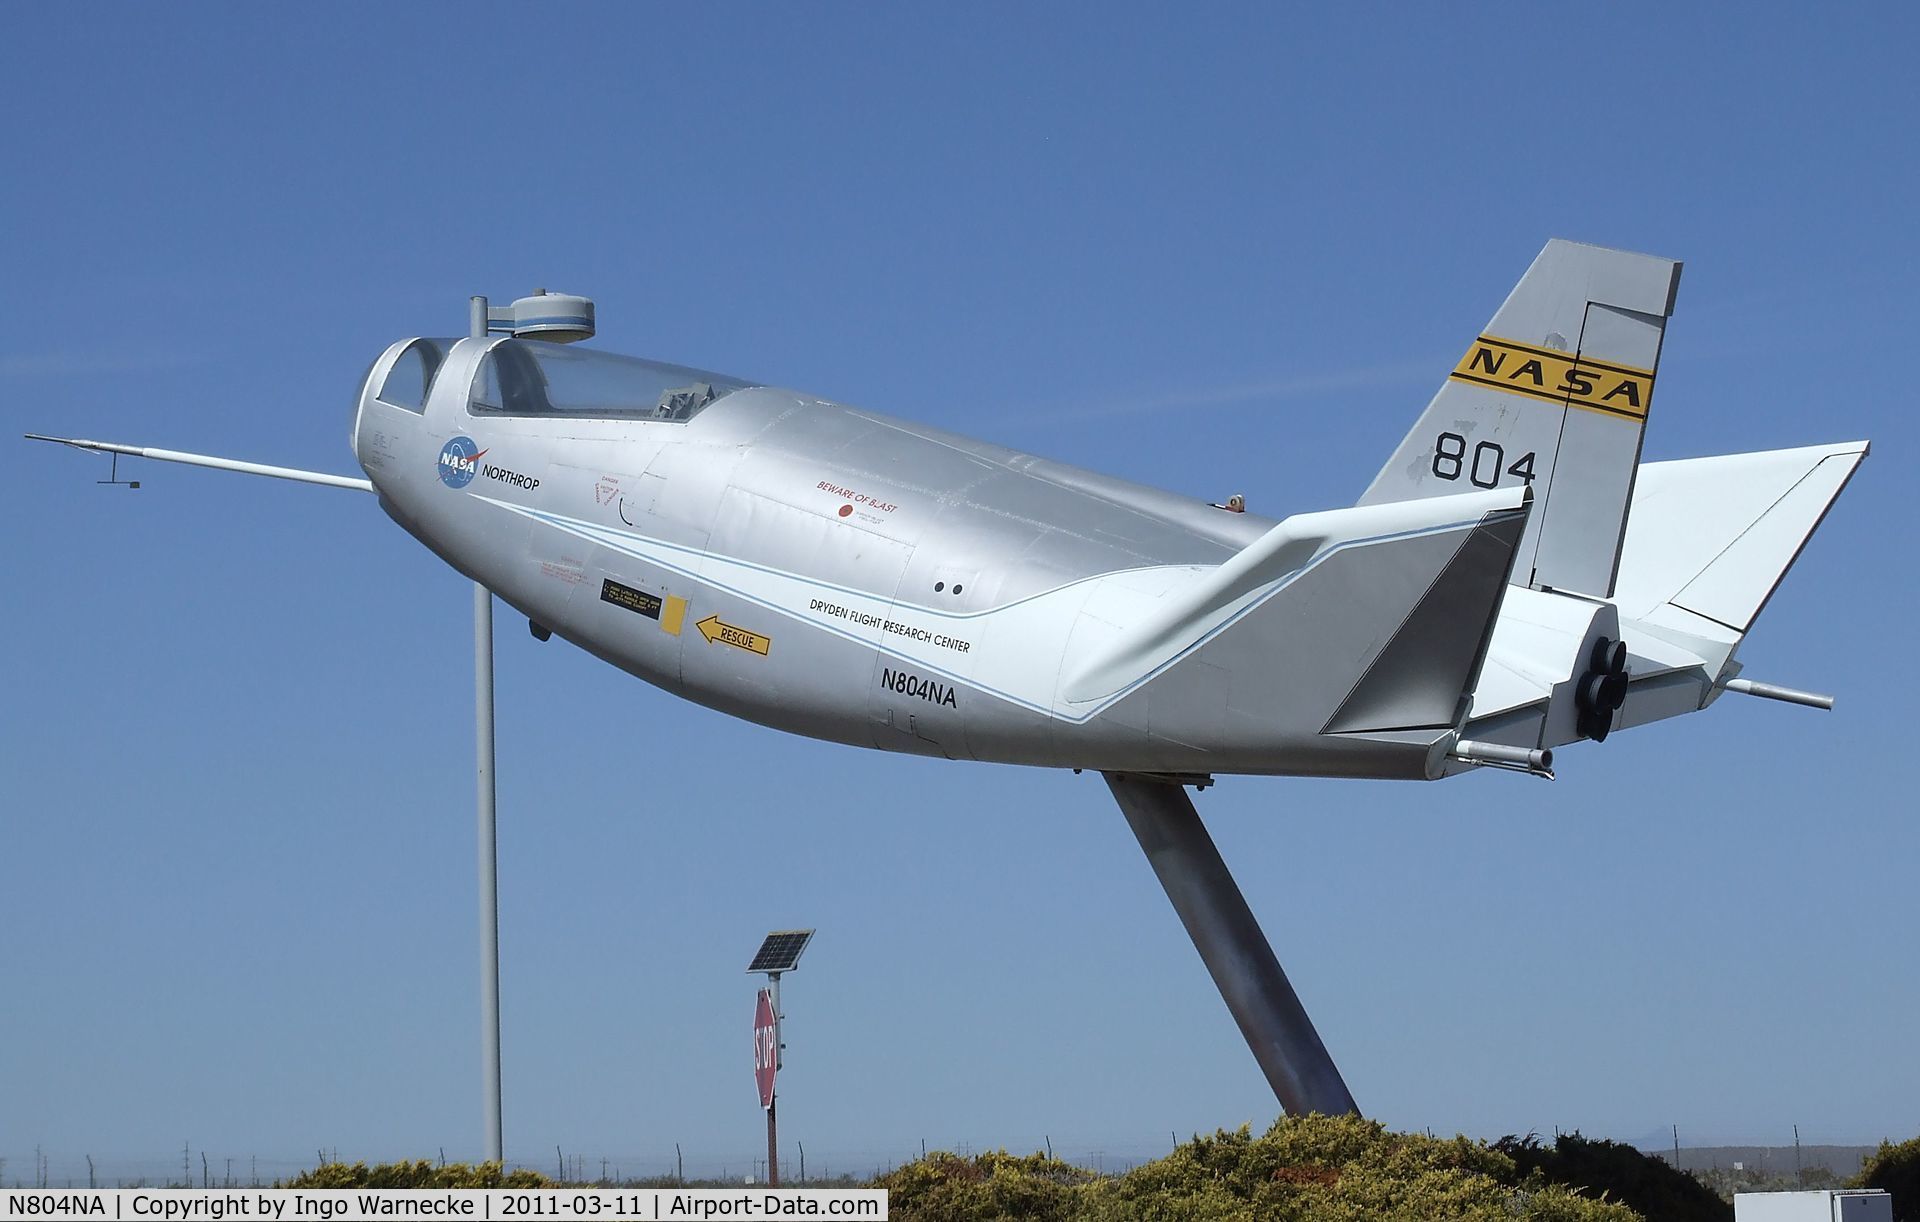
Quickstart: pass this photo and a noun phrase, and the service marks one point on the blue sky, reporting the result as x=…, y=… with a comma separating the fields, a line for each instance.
x=1232, y=250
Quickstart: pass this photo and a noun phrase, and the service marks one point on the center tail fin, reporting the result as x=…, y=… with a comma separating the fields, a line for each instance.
x=1554, y=394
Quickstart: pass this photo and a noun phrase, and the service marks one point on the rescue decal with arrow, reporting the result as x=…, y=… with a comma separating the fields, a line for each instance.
x=715, y=630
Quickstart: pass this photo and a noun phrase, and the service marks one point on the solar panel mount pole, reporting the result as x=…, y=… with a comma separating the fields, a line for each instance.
x=488, y=842
x=773, y=1101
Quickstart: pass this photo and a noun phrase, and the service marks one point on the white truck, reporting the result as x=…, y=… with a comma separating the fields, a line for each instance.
x=1826, y=1205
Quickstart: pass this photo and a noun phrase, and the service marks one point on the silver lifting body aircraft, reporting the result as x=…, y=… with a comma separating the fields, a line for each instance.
x=1513, y=580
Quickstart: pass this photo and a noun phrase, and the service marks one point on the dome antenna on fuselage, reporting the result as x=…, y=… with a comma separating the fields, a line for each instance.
x=558, y=318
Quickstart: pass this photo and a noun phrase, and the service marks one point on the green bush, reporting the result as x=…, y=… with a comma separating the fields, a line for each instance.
x=1309, y=1169
x=1341, y=1169
x=996, y=1185
x=1618, y=1173
x=1896, y=1169
x=421, y=1174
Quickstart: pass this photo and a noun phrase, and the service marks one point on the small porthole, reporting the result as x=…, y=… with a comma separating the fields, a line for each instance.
x=939, y=586
x=956, y=587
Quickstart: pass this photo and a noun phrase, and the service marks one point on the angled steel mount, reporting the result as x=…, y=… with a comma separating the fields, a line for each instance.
x=1229, y=940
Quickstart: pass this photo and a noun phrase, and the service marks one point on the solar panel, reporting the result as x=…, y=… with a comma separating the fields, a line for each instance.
x=781, y=951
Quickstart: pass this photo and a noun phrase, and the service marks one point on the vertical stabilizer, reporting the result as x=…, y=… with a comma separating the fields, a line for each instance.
x=1554, y=393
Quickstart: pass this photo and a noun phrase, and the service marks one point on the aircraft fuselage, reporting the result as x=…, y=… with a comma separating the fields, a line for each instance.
x=839, y=574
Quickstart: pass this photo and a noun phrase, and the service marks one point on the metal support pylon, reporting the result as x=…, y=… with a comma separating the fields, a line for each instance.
x=1236, y=952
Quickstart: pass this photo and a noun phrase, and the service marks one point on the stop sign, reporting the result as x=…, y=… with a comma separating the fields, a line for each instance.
x=766, y=1049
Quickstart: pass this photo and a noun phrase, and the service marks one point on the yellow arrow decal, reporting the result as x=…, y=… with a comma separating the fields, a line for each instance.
x=727, y=634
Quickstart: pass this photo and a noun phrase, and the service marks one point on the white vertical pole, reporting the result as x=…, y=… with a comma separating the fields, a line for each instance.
x=489, y=868
x=488, y=842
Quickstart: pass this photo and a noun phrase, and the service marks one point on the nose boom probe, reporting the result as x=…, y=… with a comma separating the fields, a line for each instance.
x=322, y=478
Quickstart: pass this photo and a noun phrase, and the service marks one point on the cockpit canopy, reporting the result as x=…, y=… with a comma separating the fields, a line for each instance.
x=534, y=378
x=410, y=377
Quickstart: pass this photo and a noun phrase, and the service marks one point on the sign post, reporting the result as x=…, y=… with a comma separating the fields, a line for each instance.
x=779, y=953
x=766, y=1063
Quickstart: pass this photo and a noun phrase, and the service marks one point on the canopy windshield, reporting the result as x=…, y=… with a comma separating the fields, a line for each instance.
x=535, y=378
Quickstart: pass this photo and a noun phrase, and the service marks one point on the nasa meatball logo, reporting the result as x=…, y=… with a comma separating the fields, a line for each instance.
x=459, y=461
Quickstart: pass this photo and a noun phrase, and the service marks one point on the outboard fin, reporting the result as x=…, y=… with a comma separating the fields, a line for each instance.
x=1364, y=621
